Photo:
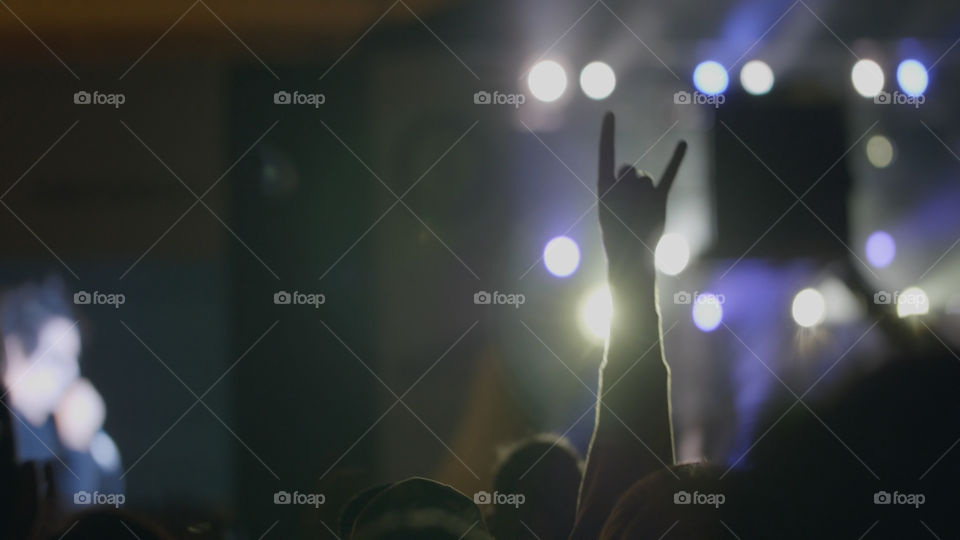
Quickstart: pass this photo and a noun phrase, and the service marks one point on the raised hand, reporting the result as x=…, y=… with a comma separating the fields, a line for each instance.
x=632, y=209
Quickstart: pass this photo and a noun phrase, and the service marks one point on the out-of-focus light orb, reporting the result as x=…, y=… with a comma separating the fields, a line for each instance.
x=561, y=256
x=879, y=151
x=843, y=306
x=597, y=313
x=912, y=301
x=547, y=81
x=809, y=308
x=880, y=249
x=597, y=80
x=104, y=452
x=912, y=77
x=672, y=254
x=867, y=77
x=756, y=77
x=710, y=78
x=707, y=312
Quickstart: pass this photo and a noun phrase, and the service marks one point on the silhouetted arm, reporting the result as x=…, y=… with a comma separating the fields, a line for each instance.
x=633, y=434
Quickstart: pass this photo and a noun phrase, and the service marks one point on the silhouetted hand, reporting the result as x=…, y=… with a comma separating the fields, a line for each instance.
x=632, y=209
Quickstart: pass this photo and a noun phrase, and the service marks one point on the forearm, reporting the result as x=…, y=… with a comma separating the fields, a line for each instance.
x=633, y=433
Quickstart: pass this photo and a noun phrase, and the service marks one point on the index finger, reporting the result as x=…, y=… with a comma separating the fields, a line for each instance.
x=606, y=175
x=670, y=173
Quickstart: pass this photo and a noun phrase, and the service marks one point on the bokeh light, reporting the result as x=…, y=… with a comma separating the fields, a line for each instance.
x=547, y=81
x=809, y=308
x=912, y=301
x=561, y=256
x=707, y=312
x=672, y=254
x=867, y=77
x=843, y=306
x=710, y=78
x=880, y=249
x=597, y=80
x=879, y=151
x=912, y=77
x=596, y=313
x=756, y=77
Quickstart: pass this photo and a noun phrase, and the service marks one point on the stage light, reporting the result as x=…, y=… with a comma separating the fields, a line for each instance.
x=843, y=307
x=867, y=78
x=597, y=80
x=809, y=308
x=547, y=81
x=597, y=312
x=710, y=78
x=879, y=151
x=561, y=256
x=880, y=249
x=708, y=312
x=912, y=301
x=672, y=254
x=756, y=77
x=104, y=451
x=912, y=77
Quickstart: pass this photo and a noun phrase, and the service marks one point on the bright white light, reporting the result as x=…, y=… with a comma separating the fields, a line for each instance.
x=597, y=80
x=809, y=308
x=672, y=254
x=880, y=249
x=708, y=312
x=561, y=256
x=867, y=78
x=597, y=312
x=710, y=78
x=912, y=301
x=547, y=81
x=756, y=77
x=842, y=305
x=912, y=77
x=879, y=151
